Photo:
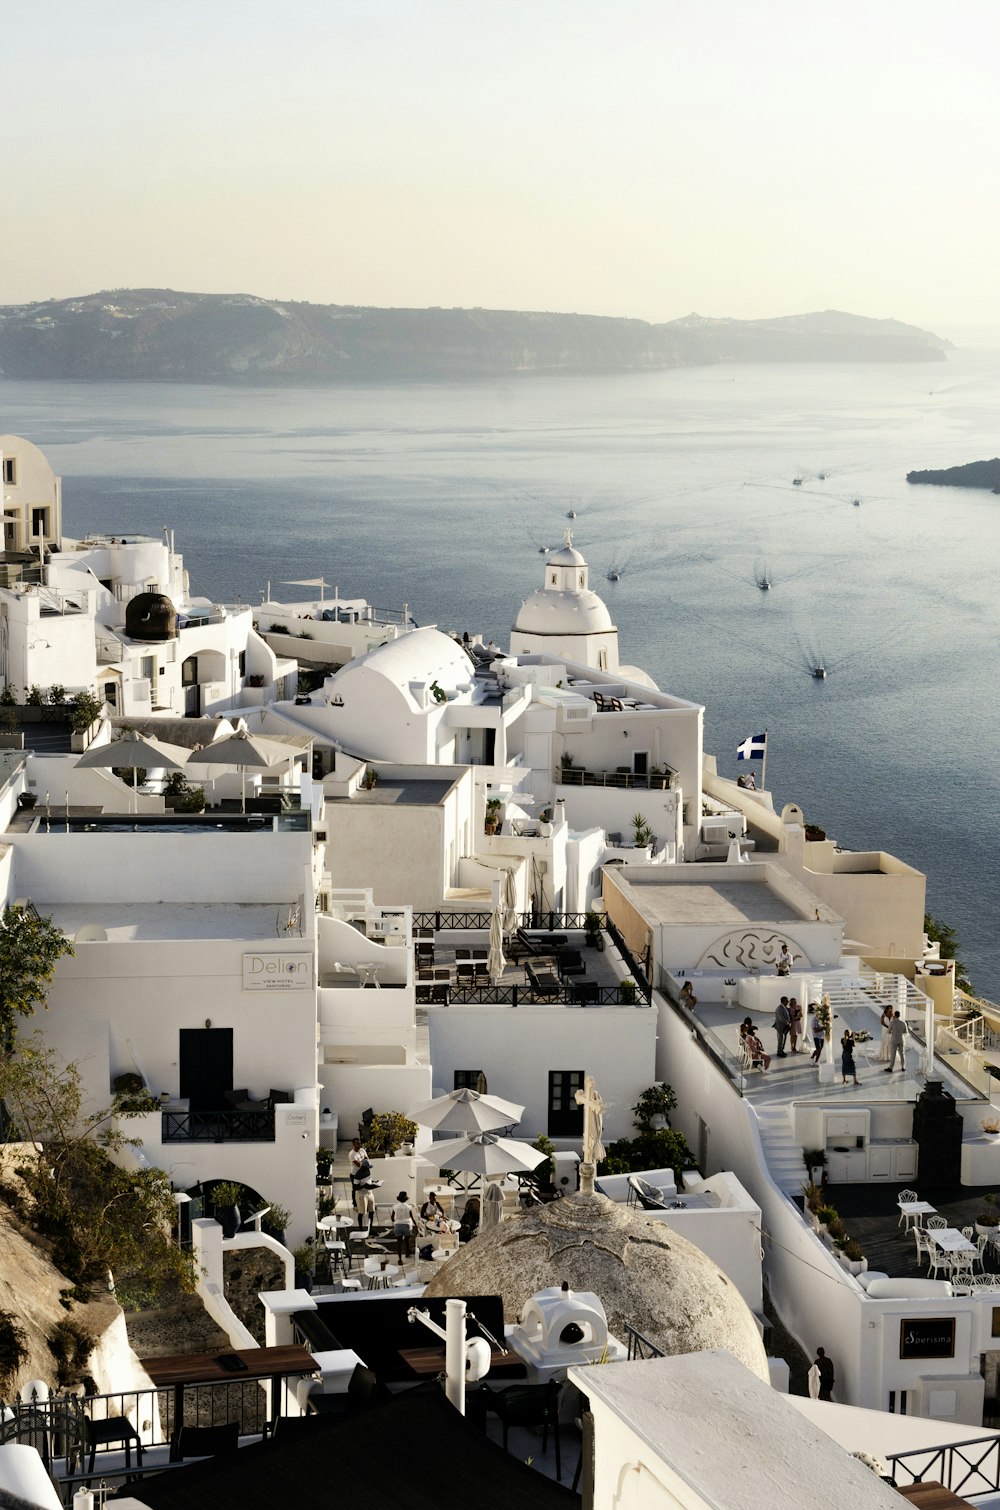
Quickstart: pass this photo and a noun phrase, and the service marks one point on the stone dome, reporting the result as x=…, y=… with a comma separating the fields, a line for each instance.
x=643, y=1272
x=150, y=616
x=549, y=611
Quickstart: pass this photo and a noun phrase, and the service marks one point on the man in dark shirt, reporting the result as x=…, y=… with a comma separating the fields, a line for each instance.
x=825, y=1367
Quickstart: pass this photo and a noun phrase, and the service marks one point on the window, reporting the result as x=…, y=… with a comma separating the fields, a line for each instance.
x=39, y=523
x=189, y=671
x=565, y=1117
x=470, y=1080
x=10, y=471
x=243, y=663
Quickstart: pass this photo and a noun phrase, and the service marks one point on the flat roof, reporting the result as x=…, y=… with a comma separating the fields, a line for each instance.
x=402, y=792
x=126, y=922
x=727, y=903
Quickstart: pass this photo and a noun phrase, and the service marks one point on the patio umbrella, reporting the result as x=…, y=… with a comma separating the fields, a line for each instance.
x=244, y=752
x=486, y=1154
x=134, y=750
x=509, y=902
x=495, y=960
x=466, y=1111
x=491, y=1211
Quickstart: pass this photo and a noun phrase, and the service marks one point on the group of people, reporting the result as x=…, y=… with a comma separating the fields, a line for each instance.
x=788, y=1025
x=407, y=1223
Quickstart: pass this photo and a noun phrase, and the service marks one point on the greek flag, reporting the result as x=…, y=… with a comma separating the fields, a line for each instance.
x=754, y=747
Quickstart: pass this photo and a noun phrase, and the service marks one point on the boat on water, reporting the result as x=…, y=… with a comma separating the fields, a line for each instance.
x=614, y=574
x=796, y=482
x=857, y=503
x=571, y=513
x=819, y=673
x=762, y=579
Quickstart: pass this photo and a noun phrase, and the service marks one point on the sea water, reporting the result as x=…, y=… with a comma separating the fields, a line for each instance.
x=443, y=495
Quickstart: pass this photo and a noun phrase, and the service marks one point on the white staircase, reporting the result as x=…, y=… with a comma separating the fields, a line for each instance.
x=782, y=1152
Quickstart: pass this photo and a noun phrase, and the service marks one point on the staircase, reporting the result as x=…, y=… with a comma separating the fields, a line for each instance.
x=782, y=1152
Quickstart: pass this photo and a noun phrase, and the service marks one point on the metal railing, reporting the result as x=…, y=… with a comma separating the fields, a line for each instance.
x=642, y=781
x=971, y=1467
x=218, y=1127
x=533, y=922
x=582, y=993
x=640, y=1346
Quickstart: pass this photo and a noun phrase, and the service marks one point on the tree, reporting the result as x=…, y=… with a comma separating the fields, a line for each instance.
x=941, y=934
x=30, y=949
x=98, y=1214
x=657, y=1146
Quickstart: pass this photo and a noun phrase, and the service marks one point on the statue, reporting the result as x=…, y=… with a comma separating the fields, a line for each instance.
x=593, y=1126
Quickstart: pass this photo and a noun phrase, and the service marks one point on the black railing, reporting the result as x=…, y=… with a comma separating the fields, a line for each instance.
x=638, y=968
x=971, y=1467
x=640, y=1346
x=534, y=922
x=218, y=1127
x=579, y=993
x=643, y=781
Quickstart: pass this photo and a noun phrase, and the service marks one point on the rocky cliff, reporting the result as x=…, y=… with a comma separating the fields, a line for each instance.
x=158, y=335
x=974, y=474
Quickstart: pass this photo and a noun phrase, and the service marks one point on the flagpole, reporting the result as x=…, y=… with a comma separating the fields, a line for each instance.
x=763, y=769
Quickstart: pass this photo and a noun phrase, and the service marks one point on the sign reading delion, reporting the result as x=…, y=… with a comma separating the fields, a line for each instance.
x=272, y=971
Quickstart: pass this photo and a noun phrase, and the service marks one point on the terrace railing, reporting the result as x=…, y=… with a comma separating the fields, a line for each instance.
x=180, y=1126
x=640, y=1346
x=640, y=781
x=966, y=1468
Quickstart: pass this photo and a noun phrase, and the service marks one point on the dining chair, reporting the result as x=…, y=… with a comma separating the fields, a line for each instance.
x=923, y=1243
x=905, y=1198
x=935, y=1223
x=939, y=1261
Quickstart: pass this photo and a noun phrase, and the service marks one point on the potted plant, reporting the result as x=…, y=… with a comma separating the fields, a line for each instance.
x=275, y=1224
x=641, y=831
x=813, y=1158
x=387, y=1132
x=812, y=1200
x=729, y=990
x=226, y=1205
x=493, y=814
x=592, y=935
x=626, y=992
x=305, y=1265
x=853, y=1256
x=987, y=1221
x=370, y=777
x=990, y=1126
x=827, y=1216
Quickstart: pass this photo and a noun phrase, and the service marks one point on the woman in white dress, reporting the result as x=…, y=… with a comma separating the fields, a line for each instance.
x=885, y=1048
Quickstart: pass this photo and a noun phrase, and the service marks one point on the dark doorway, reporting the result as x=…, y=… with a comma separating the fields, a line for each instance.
x=206, y=1065
x=192, y=690
x=565, y=1114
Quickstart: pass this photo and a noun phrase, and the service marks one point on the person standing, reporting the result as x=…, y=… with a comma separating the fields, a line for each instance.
x=885, y=1049
x=897, y=1032
x=816, y=1033
x=824, y=1367
x=847, y=1066
x=404, y=1224
x=781, y=1024
x=784, y=961
x=794, y=1023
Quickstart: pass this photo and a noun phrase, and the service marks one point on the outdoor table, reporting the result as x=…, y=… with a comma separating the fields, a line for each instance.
x=178, y=1370
x=916, y=1210
x=951, y=1240
x=429, y=1361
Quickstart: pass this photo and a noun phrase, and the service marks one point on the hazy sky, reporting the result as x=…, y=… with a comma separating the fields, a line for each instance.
x=635, y=157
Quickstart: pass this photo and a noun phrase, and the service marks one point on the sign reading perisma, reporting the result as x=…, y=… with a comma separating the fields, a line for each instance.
x=271, y=971
x=927, y=1337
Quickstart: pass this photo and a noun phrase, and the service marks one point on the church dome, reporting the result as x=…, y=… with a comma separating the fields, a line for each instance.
x=553, y=612
x=568, y=555
x=150, y=616
x=643, y=1272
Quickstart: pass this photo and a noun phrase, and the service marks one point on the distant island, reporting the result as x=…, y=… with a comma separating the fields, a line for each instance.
x=158, y=335
x=974, y=474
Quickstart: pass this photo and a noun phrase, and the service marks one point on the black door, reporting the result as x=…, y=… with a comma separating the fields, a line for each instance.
x=565, y=1114
x=206, y=1064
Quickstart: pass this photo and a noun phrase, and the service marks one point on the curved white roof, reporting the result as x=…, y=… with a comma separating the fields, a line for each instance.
x=567, y=556
x=423, y=655
x=549, y=611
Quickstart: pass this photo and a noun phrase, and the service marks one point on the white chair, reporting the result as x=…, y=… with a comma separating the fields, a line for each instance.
x=939, y=1261
x=935, y=1223
x=982, y=1243
x=961, y=1266
x=906, y=1198
x=923, y=1243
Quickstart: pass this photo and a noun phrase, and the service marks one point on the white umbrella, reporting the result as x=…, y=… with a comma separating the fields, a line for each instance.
x=133, y=750
x=509, y=902
x=244, y=752
x=486, y=1154
x=495, y=960
x=466, y=1111
x=491, y=1211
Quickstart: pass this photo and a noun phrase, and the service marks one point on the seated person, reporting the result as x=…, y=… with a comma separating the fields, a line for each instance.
x=688, y=998
x=432, y=1215
x=746, y=1026
x=756, y=1050
x=469, y=1225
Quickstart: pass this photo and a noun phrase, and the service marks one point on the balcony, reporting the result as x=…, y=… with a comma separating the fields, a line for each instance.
x=623, y=778
x=254, y=1125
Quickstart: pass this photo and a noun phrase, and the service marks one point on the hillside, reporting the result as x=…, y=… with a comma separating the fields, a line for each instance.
x=974, y=474
x=158, y=335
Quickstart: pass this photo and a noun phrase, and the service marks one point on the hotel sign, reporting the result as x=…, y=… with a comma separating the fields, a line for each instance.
x=927, y=1337
x=271, y=970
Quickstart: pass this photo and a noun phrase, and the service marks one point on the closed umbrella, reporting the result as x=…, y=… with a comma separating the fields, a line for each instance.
x=244, y=752
x=509, y=902
x=495, y=960
x=492, y=1208
x=466, y=1111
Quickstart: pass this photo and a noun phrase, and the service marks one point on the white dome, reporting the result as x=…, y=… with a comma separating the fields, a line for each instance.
x=567, y=556
x=549, y=611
